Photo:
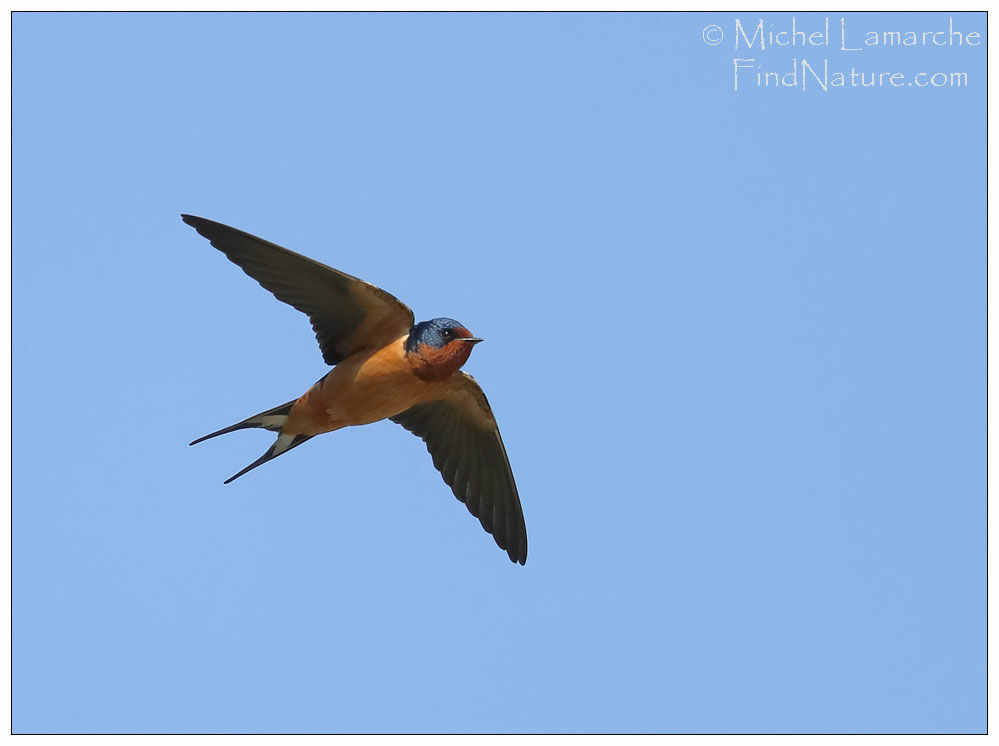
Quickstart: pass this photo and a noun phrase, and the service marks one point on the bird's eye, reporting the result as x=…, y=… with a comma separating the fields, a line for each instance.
x=447, y=333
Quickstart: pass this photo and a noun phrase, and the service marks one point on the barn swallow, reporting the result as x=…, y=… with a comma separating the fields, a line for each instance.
x=386, y=367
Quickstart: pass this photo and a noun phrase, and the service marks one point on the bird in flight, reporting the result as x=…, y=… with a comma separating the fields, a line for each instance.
x=387, y=367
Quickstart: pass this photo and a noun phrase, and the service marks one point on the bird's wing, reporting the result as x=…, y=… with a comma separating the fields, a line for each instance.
x=347, y=314
x=464, y=441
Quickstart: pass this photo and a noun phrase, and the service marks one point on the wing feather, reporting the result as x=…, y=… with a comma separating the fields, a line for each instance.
x=464, y=442
x=347, y=314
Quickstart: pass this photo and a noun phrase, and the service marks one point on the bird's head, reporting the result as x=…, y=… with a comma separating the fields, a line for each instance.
x=439, y=347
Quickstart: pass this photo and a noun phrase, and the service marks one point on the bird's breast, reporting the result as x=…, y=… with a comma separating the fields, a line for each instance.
x=364, y=388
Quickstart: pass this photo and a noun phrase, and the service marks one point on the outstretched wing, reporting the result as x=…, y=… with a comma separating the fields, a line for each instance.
x=464, y=441
x=347, y=314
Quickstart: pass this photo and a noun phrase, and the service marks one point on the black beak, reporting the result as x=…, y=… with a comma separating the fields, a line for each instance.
x=473, y=340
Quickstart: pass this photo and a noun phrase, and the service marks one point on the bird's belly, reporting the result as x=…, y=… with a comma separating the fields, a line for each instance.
x=364, y=402
x=361, y=391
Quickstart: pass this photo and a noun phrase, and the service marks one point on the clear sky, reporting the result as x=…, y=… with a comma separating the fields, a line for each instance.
x=735, y=342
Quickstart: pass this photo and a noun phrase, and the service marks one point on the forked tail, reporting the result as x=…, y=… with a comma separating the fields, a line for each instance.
x=272, y=419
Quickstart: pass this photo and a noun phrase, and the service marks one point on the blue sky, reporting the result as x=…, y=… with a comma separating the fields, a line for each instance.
x=735, y=345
